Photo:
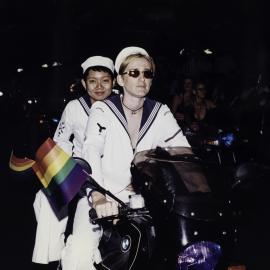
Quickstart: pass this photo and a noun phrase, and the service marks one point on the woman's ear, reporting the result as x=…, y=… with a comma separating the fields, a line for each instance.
x=83, y=83
x=120, y=80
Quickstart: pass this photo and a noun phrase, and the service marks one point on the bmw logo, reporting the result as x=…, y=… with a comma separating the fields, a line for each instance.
x=125, y=243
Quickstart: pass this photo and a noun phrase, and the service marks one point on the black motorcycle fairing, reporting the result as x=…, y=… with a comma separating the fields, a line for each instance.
x=185, y=205
x=127, y=245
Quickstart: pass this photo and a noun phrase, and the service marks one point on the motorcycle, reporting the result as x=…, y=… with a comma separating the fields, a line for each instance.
x=176, y=220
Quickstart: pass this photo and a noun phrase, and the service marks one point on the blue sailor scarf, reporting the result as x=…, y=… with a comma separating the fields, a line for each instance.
x=86, y=103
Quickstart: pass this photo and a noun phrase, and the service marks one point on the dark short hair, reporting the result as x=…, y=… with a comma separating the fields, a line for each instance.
x=99, y=69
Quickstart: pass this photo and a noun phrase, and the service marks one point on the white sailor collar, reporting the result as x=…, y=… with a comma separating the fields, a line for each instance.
x=150, y=110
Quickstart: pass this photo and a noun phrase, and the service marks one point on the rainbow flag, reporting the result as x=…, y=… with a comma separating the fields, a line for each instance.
x=60, y=175
x=20, y=164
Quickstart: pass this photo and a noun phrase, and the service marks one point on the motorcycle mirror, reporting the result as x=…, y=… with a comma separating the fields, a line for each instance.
x=250, y=173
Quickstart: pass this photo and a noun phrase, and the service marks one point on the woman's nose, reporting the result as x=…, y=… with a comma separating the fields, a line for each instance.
x=141, y=76
x=99, y=84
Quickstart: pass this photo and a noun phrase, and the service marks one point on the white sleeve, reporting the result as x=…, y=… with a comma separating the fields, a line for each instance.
x=95, y=134
x=65, y=130
x=172, y=134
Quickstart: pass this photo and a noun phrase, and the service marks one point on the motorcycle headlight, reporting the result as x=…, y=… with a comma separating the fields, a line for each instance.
x=203, y=255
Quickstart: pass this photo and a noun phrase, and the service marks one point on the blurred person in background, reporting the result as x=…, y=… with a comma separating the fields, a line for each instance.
x=182, y=99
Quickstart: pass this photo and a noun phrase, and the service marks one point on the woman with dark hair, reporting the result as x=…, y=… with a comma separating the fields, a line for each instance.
x=182, y=100
x=98, y=80
x=198, y=110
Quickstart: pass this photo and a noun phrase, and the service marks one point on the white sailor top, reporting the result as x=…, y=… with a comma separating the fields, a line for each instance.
x=73, y=122
x=49, y=240
x=107, y=145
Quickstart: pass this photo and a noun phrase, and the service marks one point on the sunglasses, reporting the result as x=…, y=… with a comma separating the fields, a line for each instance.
x=135, y=73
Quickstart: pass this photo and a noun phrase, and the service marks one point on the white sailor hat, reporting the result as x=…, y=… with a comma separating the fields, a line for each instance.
x=127, y=52
x=97, y=61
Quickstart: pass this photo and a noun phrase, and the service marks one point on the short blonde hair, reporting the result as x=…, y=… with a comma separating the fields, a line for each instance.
x=131, y=57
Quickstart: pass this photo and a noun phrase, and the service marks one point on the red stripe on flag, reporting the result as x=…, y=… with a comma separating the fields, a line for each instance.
x=20, y=164
x=44, y=149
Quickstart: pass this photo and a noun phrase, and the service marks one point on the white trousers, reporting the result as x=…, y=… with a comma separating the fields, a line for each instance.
x=49, y=240
x=81, y=249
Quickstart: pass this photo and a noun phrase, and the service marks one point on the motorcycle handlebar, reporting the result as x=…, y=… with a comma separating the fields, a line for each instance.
x=124, y=212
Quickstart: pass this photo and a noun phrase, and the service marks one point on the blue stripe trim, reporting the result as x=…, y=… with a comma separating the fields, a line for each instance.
x=86, y=104
x=149, y=121
x=117, y=112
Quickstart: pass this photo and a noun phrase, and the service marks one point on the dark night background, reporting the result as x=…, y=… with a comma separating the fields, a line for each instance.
x=34, y=33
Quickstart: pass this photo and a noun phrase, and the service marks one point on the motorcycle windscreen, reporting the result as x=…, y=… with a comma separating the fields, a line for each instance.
x=164, y=173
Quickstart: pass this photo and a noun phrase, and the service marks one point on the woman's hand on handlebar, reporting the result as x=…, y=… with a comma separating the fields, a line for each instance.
x=102, y=206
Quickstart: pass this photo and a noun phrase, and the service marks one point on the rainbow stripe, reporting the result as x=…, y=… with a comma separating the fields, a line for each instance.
x=59, y=174
x=20, y=164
